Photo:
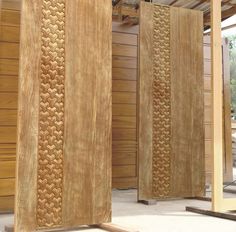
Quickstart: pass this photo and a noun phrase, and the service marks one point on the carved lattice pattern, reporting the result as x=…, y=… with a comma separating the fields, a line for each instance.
x=51, y=114
x=161, y=102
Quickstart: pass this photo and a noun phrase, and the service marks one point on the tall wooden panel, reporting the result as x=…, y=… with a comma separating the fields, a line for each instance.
x=171, y=109
x=9, y=57
x=64, y=119
x=227, y=150
x=124, y=92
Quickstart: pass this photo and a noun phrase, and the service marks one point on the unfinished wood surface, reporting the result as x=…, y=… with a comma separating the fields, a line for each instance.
x=208, y=108
x=217, y=103
x=171, y=104
x=124, y=95
x=64, y=124
x=9, y=56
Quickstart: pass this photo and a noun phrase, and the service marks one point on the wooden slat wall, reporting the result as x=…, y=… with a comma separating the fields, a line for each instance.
x=208, y=112
x=124, y=95
x=9, y=60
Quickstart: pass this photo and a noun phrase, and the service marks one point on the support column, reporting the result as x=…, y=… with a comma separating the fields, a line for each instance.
x=216, y=53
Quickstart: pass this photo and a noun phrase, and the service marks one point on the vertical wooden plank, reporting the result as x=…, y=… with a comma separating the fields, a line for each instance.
x=217, y=86
x=228, y=159
x=187, y=103
x=145, y=102
x=27, y=139
x=87, y=146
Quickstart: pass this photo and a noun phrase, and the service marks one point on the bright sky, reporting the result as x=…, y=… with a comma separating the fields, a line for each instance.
x=227, y=22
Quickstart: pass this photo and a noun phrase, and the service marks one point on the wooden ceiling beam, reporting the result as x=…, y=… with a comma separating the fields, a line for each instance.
x=225, y=14
x=172, y=3
x=199, y=3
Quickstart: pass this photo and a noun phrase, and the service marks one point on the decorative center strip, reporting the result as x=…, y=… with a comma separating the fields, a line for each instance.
x=51, y=115
x=161, y=102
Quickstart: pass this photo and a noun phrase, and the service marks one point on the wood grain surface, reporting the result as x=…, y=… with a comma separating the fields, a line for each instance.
x=187, y=103
x=85, y=194
x=186, y=163
x=124, y=95
x=9, y=56
x=208, y=117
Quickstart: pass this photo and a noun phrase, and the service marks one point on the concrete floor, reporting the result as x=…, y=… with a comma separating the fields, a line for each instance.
x=165, y=216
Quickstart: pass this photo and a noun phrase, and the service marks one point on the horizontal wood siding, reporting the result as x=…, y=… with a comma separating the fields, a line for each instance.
x=124, y=95
x=9, y=61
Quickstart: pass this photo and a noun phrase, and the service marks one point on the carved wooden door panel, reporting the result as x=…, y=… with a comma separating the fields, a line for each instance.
x=64, y=120
x=171, y=108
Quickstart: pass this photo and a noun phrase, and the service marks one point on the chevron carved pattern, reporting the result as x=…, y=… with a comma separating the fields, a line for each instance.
x=161, y=103
x=51, y=114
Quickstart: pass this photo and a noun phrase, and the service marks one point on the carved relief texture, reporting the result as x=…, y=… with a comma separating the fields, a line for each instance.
x=161, y=102
x=51, y=114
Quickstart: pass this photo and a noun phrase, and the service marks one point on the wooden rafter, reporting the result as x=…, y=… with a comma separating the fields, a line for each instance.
x=131, y=10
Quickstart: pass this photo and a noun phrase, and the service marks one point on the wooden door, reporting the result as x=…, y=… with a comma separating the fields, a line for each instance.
x=64, y=115
x=171, y=107
x=9, y=60
x=227, y=148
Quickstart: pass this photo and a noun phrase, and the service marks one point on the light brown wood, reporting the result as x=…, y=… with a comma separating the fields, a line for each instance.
x=124, y=62
x=9, y=50
x=7, y=134
x=145, y=103
x=124, y=171
x=178, y=82
x=124, y=158
x=124, y=74
x=124, y=50
x=7, y=187
x=10, y=17
x=227, y=133
x=9, y=67
x=9, y=4
x=9, y=55
x=8, y=84
x=124, y=109
x=187, y=103
x=124, y=122
x=28, y=118
x=10, y=33
x=124, y=134
x=208, y=117
x=8, y=100
x=125, y=28
x=217, y=86
x=7, y=169
x=7, y=204
x=82, y=117
x=124, y=94
x=115, y=228
x=123, y=86
x=124, y=183
x=124, y=38
x=123, y=98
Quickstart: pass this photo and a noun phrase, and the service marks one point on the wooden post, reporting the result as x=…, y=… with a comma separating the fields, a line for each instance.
x=217, y=177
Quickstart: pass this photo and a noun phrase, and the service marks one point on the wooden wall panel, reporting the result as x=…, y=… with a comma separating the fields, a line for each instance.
x=9, y=56
x=124, y=95
x=228, y=175
x=171, y=109
x=64, y=130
